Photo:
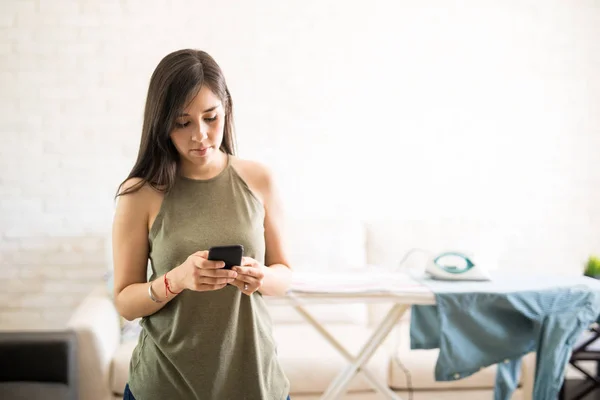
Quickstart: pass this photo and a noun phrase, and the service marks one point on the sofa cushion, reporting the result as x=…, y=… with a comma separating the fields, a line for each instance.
x=311, y=363
x=119, y=367
x=308, y=360
x=421, y=366
x=34, y=390
x=376, y=311
x=325, y=313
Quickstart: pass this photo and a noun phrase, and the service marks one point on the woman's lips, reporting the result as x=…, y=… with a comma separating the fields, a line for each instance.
x=200, y=152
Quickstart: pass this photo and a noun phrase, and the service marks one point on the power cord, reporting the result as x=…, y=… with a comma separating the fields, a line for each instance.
x=408, y=254
x=408, y=379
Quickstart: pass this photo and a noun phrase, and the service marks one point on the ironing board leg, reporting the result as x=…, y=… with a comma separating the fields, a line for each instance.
x=357, y=364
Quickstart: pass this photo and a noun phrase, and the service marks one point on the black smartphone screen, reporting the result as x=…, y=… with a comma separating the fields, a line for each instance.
x=231, y=255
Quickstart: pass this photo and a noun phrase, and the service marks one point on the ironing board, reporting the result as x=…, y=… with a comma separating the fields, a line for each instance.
x=363, y=286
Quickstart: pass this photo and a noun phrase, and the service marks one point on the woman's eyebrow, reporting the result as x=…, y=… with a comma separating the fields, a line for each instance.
x=205, y=111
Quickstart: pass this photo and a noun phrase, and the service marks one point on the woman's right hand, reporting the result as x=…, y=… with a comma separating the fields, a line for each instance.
x=200, y=274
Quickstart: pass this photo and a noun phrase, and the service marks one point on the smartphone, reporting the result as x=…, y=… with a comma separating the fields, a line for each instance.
x=231, y=255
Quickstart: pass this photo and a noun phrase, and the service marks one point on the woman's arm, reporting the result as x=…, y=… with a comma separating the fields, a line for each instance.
x=273, y=278
x=130, y=256
x=277, y=273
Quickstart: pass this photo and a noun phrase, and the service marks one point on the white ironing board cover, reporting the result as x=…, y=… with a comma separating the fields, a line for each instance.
x=359, y=285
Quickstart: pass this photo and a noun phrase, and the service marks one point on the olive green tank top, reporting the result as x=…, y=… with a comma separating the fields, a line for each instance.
x=214, y=345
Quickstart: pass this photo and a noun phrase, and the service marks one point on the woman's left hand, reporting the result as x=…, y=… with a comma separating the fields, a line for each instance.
x=250, y=276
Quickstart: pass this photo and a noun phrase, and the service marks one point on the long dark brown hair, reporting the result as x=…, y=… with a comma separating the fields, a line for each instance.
x=176, y=80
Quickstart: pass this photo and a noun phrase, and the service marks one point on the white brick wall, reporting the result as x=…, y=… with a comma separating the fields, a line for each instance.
x=47, y=277
x=478, y=109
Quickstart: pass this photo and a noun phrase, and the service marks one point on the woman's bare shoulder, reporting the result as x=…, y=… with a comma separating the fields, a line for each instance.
x=136, y=192
x=256, y=175
x=143, y=185
x=254, y=170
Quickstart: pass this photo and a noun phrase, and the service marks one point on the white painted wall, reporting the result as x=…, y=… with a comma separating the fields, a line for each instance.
x=423, y=110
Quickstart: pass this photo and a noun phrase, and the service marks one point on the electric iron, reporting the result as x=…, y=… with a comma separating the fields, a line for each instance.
x=455, y=266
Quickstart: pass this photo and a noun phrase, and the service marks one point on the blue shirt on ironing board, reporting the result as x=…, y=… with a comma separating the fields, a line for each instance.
x=477, y=324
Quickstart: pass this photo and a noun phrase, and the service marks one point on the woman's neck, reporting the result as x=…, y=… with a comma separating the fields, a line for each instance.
x=204, y=171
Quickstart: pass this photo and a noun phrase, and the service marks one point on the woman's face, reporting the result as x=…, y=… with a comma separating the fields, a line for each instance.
x=198, y=131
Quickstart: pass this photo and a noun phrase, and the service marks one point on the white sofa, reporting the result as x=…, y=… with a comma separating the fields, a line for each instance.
x=309, y=361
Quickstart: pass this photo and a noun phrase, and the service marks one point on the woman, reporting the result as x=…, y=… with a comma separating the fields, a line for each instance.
x=206, y=330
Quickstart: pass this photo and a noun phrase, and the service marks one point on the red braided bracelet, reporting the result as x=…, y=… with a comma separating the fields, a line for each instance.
x=168, y=288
